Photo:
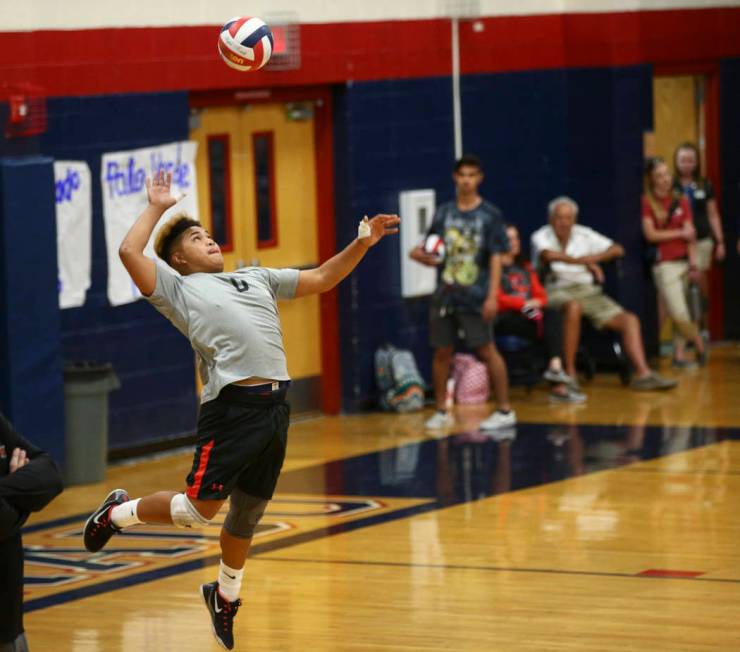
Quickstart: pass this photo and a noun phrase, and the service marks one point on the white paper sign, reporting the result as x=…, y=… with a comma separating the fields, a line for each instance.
x=122, y=175
x=74, y=231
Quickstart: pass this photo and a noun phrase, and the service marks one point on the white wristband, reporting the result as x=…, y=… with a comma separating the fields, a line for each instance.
x=363, y=230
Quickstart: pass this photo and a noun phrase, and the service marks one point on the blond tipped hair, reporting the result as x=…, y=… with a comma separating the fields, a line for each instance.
x=170, y=232
x=661, y=214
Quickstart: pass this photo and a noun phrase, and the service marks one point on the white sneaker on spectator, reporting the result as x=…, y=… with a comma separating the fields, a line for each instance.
x=557, y=377
x=572, y=383
x=503, y=434
x=440, y=421
x=569, y=396
x=499, y=420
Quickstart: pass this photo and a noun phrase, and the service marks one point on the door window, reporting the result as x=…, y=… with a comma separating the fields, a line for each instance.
x=219, y=176
x=264, y=173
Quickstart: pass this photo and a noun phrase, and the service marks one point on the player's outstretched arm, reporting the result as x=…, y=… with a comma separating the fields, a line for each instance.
x=325, y=277
x=141, y=268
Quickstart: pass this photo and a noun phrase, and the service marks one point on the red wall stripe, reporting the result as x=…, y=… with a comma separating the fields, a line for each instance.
x=714, y=156
x=331, y=392
x=81, y=62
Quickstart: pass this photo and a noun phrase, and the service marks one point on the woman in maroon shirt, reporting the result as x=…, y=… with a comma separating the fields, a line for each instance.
x=667, y=223
x=522, y=311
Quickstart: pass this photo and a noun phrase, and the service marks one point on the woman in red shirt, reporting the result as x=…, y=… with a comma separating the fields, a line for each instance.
x=522, y=311
x=667, y=223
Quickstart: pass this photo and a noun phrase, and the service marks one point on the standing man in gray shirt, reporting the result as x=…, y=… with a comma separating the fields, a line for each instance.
x=232, y=322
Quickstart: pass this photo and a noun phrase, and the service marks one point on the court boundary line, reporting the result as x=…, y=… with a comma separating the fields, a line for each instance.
x=499, y=569
x=626, y=469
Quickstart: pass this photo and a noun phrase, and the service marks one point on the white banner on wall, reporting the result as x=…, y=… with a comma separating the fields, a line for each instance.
x=74, y=230
x=122, y=176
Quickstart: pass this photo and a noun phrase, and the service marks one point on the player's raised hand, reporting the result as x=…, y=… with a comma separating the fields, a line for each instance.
x=158, y=190
x=373, y=230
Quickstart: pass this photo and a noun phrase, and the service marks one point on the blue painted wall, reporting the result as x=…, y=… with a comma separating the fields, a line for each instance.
x=730, y=166
x=153, y=361
x=31, y=393
x=539, y=134
x=389, y=136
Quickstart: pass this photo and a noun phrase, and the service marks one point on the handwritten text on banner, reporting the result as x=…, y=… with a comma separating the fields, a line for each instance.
x=123, y=176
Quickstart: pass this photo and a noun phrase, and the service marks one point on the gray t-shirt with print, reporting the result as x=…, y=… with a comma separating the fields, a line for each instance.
x=231, y=320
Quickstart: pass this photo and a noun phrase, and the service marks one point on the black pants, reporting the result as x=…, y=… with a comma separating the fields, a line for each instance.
x=19, y=645
x=20, y=494
x=11, y=591
x=515, y=323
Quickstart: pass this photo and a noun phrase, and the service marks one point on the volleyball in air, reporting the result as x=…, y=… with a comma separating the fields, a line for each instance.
x=245, y=43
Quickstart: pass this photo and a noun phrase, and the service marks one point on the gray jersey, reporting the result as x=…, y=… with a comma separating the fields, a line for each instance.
x=231, y=320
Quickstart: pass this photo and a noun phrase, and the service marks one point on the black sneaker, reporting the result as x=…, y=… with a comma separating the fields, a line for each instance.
x=222, y=614
x=99, y=528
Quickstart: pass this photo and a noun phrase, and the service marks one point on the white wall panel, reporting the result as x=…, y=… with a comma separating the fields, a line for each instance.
x=416, y=209
x=82, y=14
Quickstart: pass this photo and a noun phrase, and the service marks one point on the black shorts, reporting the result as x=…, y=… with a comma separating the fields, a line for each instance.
x=242, y=437
x=447, y=328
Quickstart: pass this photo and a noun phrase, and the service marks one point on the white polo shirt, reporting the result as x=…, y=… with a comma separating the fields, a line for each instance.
x=583, y=241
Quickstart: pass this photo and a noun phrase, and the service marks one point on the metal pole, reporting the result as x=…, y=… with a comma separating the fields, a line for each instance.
x=456, y=111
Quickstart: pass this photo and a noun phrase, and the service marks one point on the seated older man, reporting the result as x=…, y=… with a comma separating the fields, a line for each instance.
x=573, y=253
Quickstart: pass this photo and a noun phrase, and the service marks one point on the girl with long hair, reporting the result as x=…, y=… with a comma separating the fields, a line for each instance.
x=667, y=223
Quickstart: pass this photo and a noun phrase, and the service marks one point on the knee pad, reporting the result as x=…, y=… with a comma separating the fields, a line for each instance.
x=245, y=512
x=184, y=513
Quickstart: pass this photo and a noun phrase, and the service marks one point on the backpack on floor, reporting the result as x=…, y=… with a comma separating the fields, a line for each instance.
x=471, y=379
x=399, y=381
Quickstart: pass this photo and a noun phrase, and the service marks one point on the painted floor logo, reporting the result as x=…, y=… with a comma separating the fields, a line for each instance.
x=59, y=569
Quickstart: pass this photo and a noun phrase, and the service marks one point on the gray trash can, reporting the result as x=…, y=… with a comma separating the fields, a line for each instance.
x=86, y=388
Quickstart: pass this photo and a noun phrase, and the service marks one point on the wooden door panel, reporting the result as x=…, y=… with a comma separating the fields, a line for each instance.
x=295, y=210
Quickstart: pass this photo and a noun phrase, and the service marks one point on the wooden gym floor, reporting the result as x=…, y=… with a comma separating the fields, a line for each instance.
x=610, y=526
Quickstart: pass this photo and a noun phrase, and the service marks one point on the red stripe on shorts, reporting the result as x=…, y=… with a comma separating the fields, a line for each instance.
x=205, y=453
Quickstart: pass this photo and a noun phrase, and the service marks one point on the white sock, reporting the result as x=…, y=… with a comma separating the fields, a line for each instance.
x=125, y=515
x=230, y=582
x=556, y=364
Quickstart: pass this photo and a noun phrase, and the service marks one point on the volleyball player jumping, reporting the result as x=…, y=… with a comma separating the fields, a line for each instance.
x=232, y=322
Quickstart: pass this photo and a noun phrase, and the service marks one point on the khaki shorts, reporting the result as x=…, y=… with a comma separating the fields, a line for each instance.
x=595, y=305
x=704, y=252
x=671, y=280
